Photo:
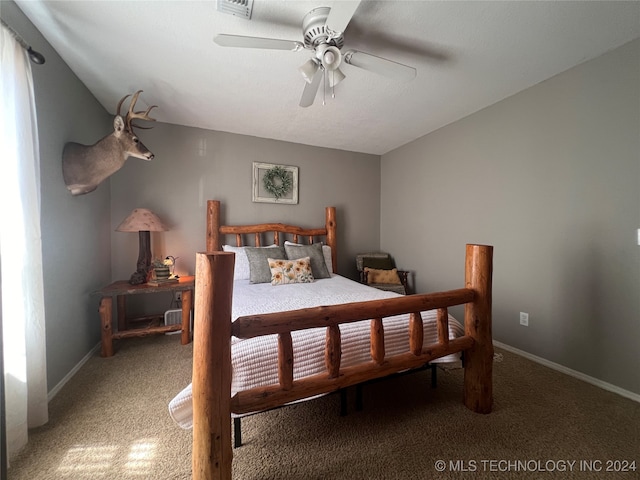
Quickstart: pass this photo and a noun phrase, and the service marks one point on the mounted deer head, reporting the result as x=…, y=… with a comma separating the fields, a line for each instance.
x=84, y=167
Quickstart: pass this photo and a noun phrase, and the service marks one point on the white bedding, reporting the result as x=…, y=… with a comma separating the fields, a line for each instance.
x=254, y=361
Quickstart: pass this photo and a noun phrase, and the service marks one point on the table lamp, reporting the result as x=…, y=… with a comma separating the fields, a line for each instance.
x=143, y=221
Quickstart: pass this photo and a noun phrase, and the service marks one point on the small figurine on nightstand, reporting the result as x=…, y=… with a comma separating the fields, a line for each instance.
x=171, y=262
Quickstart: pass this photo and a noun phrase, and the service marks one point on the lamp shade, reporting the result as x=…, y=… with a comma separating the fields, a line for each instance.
x=142, y=220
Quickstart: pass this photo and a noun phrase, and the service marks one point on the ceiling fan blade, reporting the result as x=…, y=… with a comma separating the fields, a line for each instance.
x=340, y=15
x=256, y=42
x=379, y=65
x=310, y=89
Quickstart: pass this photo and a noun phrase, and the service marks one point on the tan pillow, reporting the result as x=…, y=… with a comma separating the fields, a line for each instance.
x=382, y=276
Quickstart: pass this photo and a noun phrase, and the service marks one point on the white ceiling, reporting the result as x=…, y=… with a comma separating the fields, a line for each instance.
x=468, y=55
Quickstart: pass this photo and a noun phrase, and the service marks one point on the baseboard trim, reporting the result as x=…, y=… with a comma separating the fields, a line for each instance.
x=572, y=373
x=54, y=391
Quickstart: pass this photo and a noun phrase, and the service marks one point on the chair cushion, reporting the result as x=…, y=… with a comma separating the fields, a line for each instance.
x=361, y=256
x=382, y=276
x=378, y=263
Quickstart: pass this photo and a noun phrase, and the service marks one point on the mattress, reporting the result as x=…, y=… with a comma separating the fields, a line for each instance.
x=254, y=361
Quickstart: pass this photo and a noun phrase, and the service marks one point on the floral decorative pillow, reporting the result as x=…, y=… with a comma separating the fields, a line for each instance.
x=285, y=271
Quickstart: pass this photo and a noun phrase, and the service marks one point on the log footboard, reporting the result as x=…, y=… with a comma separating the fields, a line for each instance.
x=212, y=401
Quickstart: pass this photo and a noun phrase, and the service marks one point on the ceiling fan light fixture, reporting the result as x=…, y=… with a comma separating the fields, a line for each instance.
x=329, y=56
x=308, y=69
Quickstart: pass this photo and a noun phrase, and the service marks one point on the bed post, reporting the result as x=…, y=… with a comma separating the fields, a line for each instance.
x=213, y=226
x=332, y=241
x=212, y=452
x=478, y=360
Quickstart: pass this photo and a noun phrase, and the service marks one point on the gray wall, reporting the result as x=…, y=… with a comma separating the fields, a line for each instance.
x=75, y=230
x=193, y=165
x=551, y=178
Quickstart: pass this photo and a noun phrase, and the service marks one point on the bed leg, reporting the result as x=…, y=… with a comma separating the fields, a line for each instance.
x=434, y=375
x=359, y=397
x=343, y=402
x=237, y=432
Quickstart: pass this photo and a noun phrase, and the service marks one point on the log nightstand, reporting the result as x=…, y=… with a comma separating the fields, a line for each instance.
x=121, y=289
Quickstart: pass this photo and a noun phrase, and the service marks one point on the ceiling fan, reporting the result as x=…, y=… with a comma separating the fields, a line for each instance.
x=323, y=33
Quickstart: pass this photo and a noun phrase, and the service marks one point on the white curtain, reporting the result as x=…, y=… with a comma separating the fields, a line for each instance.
x=20, y=248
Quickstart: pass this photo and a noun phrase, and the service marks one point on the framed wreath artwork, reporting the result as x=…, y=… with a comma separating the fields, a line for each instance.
x=275, y=183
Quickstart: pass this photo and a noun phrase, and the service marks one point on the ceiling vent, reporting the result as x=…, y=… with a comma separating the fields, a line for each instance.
x=239, y=8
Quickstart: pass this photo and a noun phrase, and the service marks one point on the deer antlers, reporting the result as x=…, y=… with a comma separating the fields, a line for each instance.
x=131, y=115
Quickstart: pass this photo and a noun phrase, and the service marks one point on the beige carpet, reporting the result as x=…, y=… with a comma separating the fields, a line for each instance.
x=110, y=422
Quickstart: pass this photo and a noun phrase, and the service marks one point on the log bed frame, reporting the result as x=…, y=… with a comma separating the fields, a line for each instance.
x=212, y=402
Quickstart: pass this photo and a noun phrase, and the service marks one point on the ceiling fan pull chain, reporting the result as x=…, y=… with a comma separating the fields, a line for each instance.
x=333, y=84
x=324, y=87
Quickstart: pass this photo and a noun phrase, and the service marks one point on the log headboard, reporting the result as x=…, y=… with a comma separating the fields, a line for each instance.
x=280, y=231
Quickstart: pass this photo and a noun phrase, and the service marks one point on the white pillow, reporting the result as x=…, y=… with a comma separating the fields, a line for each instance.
x=326, y=253
x=241, y=267
x=241, y=270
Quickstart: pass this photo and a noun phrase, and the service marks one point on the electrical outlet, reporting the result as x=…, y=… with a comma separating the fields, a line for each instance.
x=177, y=296
x=524, y=319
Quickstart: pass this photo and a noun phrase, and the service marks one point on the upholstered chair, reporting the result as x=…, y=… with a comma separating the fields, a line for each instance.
x=377, y=269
